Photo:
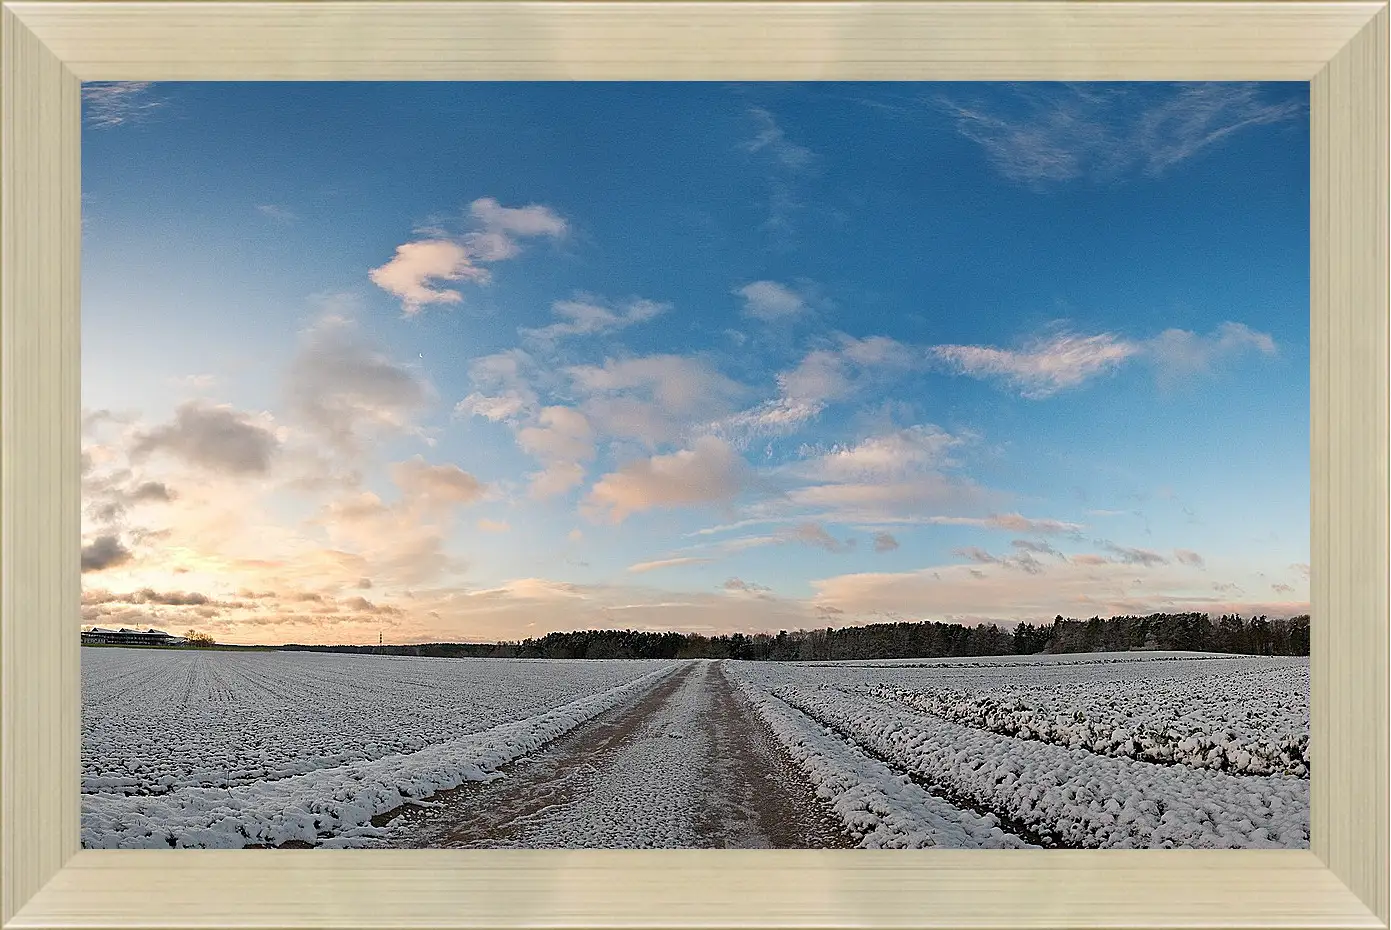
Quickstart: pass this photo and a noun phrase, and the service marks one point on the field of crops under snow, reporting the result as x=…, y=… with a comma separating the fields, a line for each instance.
x=228, y=749
x=1122, y=750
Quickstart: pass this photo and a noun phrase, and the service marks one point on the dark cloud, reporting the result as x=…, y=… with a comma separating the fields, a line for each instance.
x=738, y=584
x=365, y=606
x=814, y=534
x=1131, y=556
x=152, y=491
x=1189, y=557
x=104, y=552
x=885, y=542
x=108, y=499
x=172, y=598
x=217, y=438
x=1038, y=547
x=1024, y=561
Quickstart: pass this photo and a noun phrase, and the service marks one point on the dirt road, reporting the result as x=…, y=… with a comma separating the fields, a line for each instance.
x=689, y=764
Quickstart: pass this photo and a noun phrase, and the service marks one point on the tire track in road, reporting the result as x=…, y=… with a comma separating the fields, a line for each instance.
x=688, y=764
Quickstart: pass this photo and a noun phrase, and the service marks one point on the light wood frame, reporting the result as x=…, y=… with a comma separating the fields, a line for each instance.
x=50, y=47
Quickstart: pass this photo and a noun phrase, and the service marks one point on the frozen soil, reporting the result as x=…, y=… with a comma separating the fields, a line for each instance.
x=688, y=764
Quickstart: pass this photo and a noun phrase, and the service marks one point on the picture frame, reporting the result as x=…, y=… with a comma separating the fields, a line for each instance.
x=48, y=48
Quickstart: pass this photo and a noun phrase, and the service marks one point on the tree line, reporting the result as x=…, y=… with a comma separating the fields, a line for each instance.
x=1196, y=632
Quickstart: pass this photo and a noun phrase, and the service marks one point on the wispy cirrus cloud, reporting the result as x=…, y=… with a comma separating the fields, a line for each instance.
x=585, y=315
x=771, y=139
x=275, y=212
x=107, y=104
x=789, y=163
x=831, y=373
x=642, y=567
x=1052, y=133
x=1042, y=367
x=1049, y=365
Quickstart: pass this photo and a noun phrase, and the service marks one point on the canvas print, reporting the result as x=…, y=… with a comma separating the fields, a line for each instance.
x=659, y=465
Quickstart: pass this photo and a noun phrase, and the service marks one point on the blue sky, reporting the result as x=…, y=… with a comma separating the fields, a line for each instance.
x=470, y=361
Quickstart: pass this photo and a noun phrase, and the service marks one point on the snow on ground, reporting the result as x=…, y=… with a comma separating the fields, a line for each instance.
x=334, y=802
x=881, y=807
x=687, y=765
x=156, y=720
x=185, y=748
x=1059, y=793
x=1251, y=721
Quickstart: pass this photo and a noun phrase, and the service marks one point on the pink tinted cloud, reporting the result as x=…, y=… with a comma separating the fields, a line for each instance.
x=708, y=472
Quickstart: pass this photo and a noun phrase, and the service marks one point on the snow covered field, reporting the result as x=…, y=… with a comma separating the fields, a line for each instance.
x=227, y=749
x=1113, y=750
x=224, y=749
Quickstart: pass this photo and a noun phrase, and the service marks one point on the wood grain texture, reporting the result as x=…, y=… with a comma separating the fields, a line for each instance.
x=695, y=41
x=1349, y=332
x=697, y=888
x=47, y=47
x=39, y=450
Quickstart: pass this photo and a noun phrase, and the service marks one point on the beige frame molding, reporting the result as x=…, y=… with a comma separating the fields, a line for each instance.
x=50, y=47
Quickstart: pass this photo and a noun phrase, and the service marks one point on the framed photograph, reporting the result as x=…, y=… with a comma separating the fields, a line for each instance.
x=617, y=464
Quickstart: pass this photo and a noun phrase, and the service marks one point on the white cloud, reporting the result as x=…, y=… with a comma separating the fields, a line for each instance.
x=504, y=389
x=524, y=222
x=441, y=257
x=408, y=275
x=502, y=227
x=436, y=485
x=562, y=440
x=653, y=399
x=496, y=407
x=1179, y=354
x=769, y=301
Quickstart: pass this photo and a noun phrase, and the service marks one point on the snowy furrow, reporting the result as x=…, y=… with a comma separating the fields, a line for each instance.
x=155, y=721
x=333, y=806
x=882, y=808
x=1071, y=796
x=1254, y=723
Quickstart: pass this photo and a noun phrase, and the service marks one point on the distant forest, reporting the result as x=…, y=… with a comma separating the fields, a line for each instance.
x=1190, y=631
